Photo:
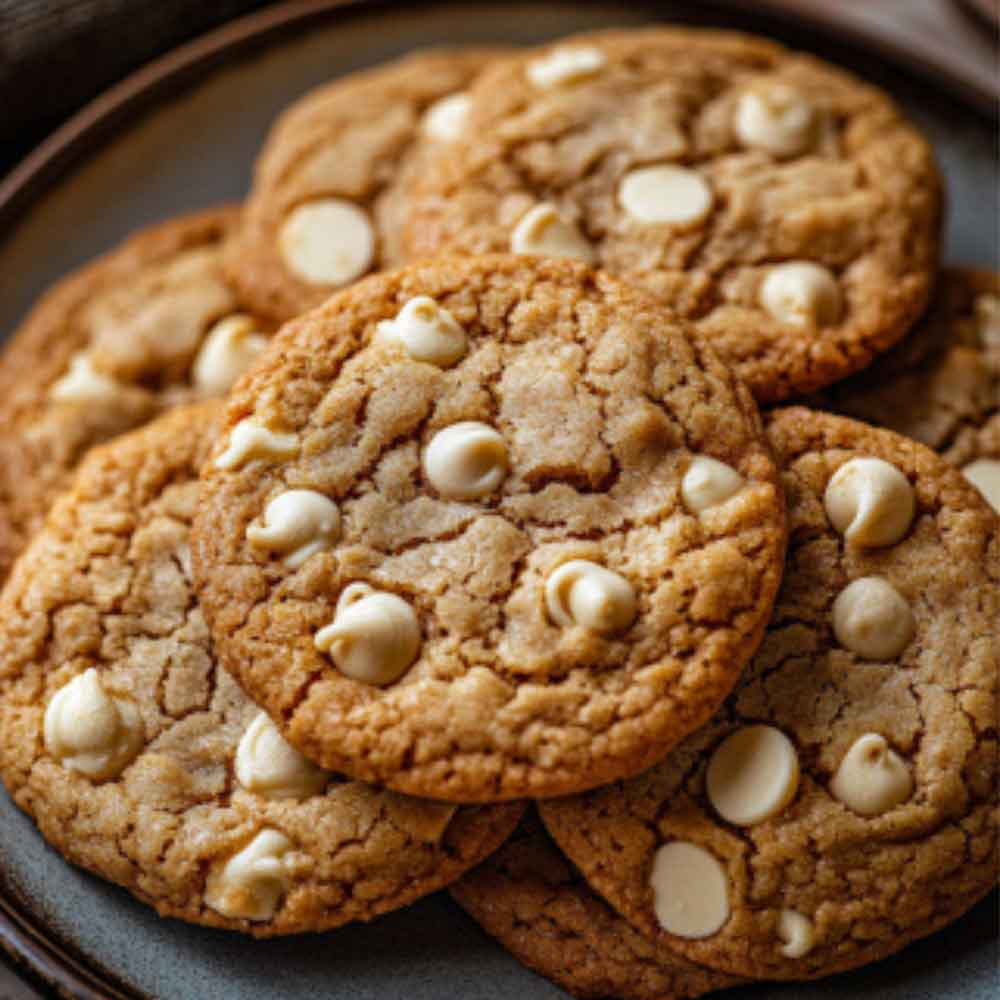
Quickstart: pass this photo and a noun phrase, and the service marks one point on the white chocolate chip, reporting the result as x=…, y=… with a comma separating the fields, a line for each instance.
x=230, y=348
x=428, y=332
x=445, y=119
x=690, y=890
x=776, y=118
x=797, y=933
x=297, y=523
x=88, y=731
x=83, y=383
x=268, y=765
x=871, y=618
x=565, y=64
x=801, y=293
x=752, y=775
x=987, y=310
x=248, y=440
x=466, y=460
x=543, y=232
x=251, y=884
x=984, y=474
x=584, y=593
x=870, y=502
x=327, y=242
x=374, y=636
x=872, y=777
x=665, y=193
x=707, y=483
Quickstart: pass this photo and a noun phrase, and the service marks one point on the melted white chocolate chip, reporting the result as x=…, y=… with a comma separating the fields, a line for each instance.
x=268, y=765
x=374, y=636
x=584, y=593
x=566, y=64
x=752, y=775
x=797, y=933
x=298, y=524
x=230, y=348
x=871, y=618
x=690, y=890
x=445, y=119
x=801, y=293
x=251, y=884
x=776, y=118
x=543, y=232
x=327, y=242
x=872, y=777
x=984, y=474
x=88, y=731
x=466, y=460
x=665, y=193
x=83, y=383
x=427, y=332
x=987, y=312
x=249, y=440
x=870, y=502
x=707, y=483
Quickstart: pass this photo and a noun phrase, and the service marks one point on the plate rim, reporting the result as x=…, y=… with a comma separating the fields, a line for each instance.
x=33, y=950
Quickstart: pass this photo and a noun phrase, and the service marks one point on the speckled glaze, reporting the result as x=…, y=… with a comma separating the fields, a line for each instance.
x=197, y=150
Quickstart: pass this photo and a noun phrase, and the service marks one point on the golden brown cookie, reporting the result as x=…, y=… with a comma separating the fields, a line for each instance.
x=844, y=801
x=519, y=545
x=941, y=385
x=149, y=325
x=141, y=760
x=326, y=206
x=541, y=910
x=782, y=205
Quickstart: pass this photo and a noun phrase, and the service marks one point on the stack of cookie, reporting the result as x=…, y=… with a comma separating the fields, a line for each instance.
x=502, y=520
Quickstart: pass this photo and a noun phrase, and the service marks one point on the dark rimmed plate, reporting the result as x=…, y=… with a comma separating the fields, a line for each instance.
x=204, y=112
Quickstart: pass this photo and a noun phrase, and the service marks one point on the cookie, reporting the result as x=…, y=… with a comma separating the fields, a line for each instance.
x=140, y=758
x=326, y=205
x=147, y=327
x=541, y=910
x=941, y=385
x=488, y=528
x=844, y=801
x=780, y=204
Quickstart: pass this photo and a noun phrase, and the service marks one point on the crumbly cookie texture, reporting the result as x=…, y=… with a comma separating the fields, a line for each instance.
x=140, y=758
x=149, y=326
x=941, y=385
x=563, y=433
x=540, y=909
x=326, y=204
x=860, y=810
x=779, y=203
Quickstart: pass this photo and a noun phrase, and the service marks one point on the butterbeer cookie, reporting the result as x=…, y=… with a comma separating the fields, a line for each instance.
x=150, y=325
x=326, y=206
x=141, y=760
x=541, y=910
x=782, y=205
x=942, y=384
x=844, y=801
x=488, y=528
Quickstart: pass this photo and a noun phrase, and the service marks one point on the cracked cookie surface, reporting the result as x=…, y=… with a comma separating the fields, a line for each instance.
x=107, y=349
x=569, y=426
x=940, y=386
x=193, y=816
x=886, y=825
x=353, y=140
x=782, y=205
x=529, y=897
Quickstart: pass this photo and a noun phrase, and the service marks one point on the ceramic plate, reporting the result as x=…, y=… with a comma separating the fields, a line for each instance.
x=193, y=147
